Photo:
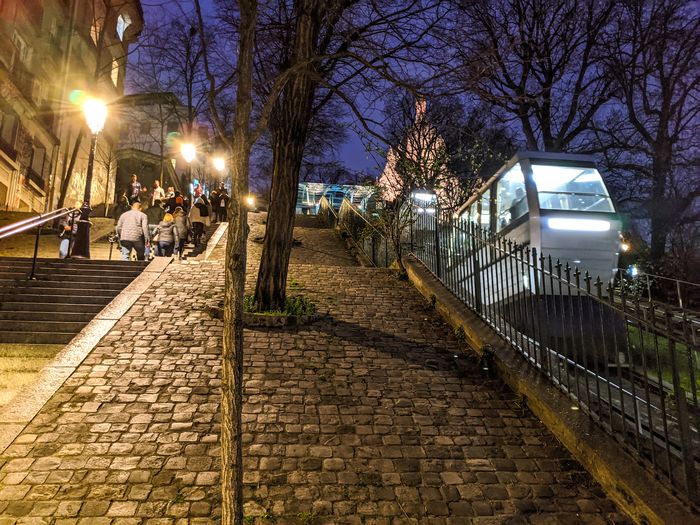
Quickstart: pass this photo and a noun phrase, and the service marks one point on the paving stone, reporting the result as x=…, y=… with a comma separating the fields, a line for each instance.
x=360, y=417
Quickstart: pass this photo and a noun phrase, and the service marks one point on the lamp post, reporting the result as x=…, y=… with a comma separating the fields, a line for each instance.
x=95, y=112
x=189, y=152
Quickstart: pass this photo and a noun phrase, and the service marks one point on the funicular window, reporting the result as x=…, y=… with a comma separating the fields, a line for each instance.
x=511, y=201
x=571, y=188
x=485, y=216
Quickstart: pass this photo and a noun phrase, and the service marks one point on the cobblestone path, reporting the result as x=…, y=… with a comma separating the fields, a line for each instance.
x=366, y=416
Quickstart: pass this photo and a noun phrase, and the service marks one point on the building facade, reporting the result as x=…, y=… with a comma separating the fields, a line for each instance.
x=149, y=144
x=52, y=53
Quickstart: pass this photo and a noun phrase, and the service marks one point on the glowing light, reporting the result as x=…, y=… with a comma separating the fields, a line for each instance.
x=189, y=152
x=583, y=225
x=625, y=247
x=250, y=201
x=633, y=270
x=77, y=97
x=424, y=196
x=219, y=163
x=95, y=114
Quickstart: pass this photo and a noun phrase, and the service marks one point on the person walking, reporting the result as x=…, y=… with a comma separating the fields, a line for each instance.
x=65, y=235
x=135, y=189
x=121, y=207
x=199, y=216
x=183, y=224
x=168, y=236
x=155, y=214
x=222, y=207
x=157, y=193
x=214, y=199
x=132, y=229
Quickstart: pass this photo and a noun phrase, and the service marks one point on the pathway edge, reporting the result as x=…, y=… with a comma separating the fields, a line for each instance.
x=638, y=494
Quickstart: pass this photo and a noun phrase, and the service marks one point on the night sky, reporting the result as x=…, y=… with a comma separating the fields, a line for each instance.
x=353, y=153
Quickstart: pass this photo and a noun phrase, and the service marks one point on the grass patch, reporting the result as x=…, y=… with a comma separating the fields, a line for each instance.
x=644, y=344
x=297, y=305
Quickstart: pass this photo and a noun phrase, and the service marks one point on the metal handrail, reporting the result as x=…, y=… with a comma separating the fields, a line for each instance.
x=38, y=223
x=32, y=222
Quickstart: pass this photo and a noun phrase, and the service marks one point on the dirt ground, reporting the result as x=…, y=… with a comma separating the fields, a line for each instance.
x=20, y=364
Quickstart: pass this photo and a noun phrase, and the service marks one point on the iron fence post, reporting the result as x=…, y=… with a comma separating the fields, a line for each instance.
x=437, y=243
x=410, y=225
x=36, y=250
x=477, y=269
x=691, y=482
x=70, y=235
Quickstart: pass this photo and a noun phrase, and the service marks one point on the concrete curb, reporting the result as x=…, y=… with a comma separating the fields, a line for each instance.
x=28, y=402
x=637, y=493
x=213, y=242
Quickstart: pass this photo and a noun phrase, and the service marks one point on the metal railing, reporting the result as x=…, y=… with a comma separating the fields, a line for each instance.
x=632, y=366
x=657, y=288
x=368, y=238
x=38, y=222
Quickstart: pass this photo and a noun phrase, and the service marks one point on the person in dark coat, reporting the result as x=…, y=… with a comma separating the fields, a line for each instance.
x=222, y=207
x=214, y=199
x=122, y=206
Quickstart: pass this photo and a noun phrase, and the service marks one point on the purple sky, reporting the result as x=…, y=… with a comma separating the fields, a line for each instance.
x=352, y=153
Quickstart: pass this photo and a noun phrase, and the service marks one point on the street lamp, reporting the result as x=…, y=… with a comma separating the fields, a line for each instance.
x=219, y=164
x=95, y=112
x=189, y=153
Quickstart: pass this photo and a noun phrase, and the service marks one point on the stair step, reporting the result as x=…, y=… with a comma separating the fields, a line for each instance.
x=73, y=262
x=65, y=277
x=36, y=337
x=42, y=326
x=69, y=285
x=26, y=306
x=48, y=288
x=36, y=315
x=45, y=298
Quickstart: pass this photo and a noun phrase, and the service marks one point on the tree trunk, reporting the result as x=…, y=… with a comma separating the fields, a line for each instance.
x=69, y=172
x=659, y=213
x=235, y=268
x=232, y=357
x=289, y=129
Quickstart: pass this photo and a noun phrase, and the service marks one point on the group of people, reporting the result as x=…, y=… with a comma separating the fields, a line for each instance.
x=163, y=227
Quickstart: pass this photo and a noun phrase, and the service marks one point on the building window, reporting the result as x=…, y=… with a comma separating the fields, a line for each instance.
x=115, y=72
x=173, y=126
x=145, y=128
x=38, y=158
x=123, y=22
x=511, y=203
x=95, y=31
x=484, y=216
x=24, y=52
x=8, y=129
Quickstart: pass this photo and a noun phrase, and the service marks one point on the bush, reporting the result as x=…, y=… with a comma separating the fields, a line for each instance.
x=297, y=305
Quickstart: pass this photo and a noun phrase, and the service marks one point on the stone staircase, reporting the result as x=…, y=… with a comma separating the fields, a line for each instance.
x=61, y=300
x=192, y=251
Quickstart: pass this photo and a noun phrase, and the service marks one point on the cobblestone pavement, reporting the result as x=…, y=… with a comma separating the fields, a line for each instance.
x=365, y=416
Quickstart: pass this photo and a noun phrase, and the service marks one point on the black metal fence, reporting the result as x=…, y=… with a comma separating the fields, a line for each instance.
x=631, y=364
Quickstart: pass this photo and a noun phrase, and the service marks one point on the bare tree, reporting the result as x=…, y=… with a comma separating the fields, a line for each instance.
x=537, y=60
x=238, y=142
x=334, y=47
x=438, y=148
x=650, y=138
